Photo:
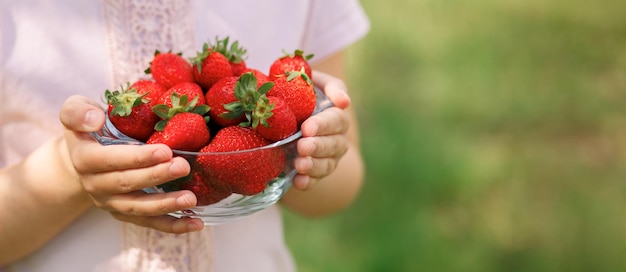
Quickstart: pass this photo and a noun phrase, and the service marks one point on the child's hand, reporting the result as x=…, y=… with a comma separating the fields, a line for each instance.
x=324, y=139
x=114, y=175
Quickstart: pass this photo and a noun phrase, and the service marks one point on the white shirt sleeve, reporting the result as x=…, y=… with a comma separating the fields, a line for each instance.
x=333, y=25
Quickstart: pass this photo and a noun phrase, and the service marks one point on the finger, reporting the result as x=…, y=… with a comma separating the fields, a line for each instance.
x=116, y=182
x=315, y=167
x=328, y=122
x=164, y=223
x=303, y=182
x=139, y=203
x=334, y=88
x=118, y=157
x=323, y=146
x=79, y=113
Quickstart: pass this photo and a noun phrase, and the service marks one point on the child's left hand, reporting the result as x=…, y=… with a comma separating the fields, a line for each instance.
x=324, y=139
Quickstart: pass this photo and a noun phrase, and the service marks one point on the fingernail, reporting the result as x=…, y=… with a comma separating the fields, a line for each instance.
x=310, y=129
x=91, y=119
x=184, y=201
x=192, y=227
x=178, y=168
x=348, y=99
x=160, y=155
x=301, y=182
x=195, y=226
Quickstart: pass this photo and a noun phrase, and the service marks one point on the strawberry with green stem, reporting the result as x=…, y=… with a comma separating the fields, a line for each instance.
x=273, y=118
x=295, y=61
x=131, y=112
x=220, y=94
x=233, y=52
x=297, y=90
x=233, y=99
x=190, y=89
x=261, y=77
x=152, y=89
x=183, y=125
x=170, y=69
x=209, y=66
x=247, y=92
x=270, y=116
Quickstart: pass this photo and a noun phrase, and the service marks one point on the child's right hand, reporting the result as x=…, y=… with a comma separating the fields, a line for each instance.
x=114, y=175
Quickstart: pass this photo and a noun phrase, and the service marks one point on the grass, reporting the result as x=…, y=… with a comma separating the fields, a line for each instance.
x=494, y=134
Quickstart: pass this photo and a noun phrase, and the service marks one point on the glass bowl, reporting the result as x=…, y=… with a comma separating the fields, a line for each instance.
x=232, y=206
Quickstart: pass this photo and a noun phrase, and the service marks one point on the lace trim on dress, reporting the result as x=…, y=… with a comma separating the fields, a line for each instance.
x=135, y=29
x=146, y=249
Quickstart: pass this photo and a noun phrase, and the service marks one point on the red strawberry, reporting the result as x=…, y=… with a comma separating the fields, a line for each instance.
x=185, y=131
x=170, y=69
x=183, y=125
x=246, y=173
x=273, y=119
x=297, y=90
x=238, y=67
x=220, y=94
x=209, y=67
x=205, y=192
x=234, y=53
x=190, y=89
x=260, y=76
x=234, y=98
x=152, y=89
x=291, y=62
x=131, y=113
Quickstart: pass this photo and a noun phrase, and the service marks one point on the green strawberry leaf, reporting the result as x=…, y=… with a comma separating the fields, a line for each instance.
x=162, y=111
x=159, y=126
x=266, y=87
x=202, y=109
x=231, y=114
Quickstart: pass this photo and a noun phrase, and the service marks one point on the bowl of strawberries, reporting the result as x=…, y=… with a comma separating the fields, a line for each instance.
x=235, y=125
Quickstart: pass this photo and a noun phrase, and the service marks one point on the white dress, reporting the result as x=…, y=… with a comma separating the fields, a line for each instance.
x=50, y=50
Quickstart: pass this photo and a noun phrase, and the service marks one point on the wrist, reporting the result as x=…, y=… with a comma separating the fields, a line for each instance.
x=52, y=177
x=70, y=176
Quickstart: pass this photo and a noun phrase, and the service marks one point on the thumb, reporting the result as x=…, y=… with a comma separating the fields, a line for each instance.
x=79, y=113
x=334, y=88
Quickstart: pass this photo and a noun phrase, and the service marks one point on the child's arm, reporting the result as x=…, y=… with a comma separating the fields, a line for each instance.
x=51, y=187
x=39, y=197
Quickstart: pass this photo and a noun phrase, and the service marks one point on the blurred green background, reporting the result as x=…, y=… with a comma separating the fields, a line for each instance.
x=494, y=134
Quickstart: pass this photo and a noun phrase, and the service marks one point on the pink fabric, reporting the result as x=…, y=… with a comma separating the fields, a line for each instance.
x=87, y=46
x=151, y=250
